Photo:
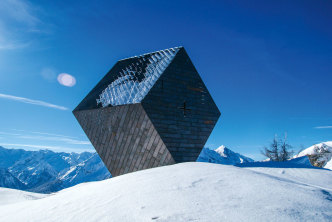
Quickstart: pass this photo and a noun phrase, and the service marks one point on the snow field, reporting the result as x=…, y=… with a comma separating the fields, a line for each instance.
x=189, y=192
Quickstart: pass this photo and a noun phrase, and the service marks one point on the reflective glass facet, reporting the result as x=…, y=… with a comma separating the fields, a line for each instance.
x=135, y=80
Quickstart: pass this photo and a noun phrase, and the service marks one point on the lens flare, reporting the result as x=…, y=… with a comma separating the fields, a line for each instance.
x=66, y=79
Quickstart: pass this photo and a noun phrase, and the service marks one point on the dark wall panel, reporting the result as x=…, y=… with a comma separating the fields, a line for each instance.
x=181, y=108
x=124, y=138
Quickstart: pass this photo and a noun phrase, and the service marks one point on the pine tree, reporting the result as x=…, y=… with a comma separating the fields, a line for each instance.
x=279, y=150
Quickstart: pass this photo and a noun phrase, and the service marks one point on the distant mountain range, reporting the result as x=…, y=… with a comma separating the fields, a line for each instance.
x=319, y=155
x=46, y=171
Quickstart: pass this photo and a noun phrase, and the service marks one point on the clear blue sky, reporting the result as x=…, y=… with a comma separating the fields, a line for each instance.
x=267, y=64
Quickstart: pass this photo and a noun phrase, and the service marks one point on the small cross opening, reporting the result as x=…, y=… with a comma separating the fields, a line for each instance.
x=184, y=108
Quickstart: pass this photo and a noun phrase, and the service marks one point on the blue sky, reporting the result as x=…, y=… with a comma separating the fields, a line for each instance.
x=267, y=64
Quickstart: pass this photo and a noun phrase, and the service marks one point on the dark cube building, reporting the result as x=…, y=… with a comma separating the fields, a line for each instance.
x=148, y=111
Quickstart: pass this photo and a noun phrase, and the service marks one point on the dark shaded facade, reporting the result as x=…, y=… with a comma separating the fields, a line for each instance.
x=148, y=111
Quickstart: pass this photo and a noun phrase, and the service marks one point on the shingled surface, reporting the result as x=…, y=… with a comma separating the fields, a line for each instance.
x=148, y=111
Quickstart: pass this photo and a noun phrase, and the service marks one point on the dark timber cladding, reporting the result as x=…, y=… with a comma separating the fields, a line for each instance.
x=148, y=111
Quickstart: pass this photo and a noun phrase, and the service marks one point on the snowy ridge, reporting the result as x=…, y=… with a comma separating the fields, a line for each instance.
x=320, y=155
x=189, y=192
x=299, y=162
x=222, y=155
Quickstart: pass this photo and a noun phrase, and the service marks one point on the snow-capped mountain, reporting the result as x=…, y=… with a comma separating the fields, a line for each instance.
x=320, y=155
x=222, y=155
x=184, y=192
x=46, y=171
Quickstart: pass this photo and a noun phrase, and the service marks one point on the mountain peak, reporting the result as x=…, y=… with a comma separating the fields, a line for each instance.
x=221, y=149
x=222, y=155
x=320, y=155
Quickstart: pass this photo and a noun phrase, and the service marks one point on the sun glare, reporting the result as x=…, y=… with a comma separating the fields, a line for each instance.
x=66, y=80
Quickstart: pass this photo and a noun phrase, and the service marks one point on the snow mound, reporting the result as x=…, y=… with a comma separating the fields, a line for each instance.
x=11, y=196
x=320, y=155
x=189, y=192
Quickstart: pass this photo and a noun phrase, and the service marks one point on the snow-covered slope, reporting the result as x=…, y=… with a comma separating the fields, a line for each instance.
x=320, y=155
x=11, y=196
x=189, y=192
x=46, y=171
x=222, y=155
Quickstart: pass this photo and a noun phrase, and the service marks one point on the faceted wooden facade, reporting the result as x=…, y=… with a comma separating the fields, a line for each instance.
x=168, y=122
